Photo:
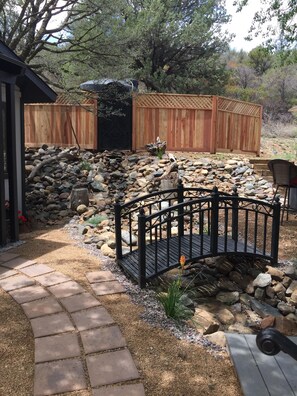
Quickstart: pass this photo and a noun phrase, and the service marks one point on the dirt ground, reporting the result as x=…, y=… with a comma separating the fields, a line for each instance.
x=168, y=367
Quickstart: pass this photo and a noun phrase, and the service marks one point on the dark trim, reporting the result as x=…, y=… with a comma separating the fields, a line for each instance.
x=11, y=163
x=3, y=228
x=22, y=139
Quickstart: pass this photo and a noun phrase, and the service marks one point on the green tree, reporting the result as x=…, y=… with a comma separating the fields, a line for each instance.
x=260, y=59
x=170, y=45
x=279, y=18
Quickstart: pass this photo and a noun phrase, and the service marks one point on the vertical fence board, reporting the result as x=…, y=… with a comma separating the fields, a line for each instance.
x=61, y=125
x=196, y=123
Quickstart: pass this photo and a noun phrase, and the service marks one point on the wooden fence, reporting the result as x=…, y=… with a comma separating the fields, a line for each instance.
x=196, y=123
x=61, y=124
x=185, y=122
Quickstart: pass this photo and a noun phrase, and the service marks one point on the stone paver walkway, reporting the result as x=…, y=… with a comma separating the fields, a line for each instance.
x=77, y=343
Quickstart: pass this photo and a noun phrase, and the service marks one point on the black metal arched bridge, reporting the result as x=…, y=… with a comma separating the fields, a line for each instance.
x=154, y=230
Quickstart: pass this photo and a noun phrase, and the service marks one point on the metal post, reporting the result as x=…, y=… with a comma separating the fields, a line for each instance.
x=180, y=199
x=214, y=222
x=141, y=249
x=235, y=215
x=275, y=230
x=118, y=228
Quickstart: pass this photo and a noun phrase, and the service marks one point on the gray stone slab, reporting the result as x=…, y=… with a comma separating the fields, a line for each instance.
x=124, y=390
x=51, y=324
x=46, y=306
x=59, y=377
x=66, y=289
x=18, y=263
x=102, y=339
x=79, y=302
x=111, y=367
x=29, y=293
x=5, y=256
x=56, y=347
x=36, y=270
x=54, y=278
x=91, y=318
x=15, y=282
x=100, y=276
x=109, y=287
x=5, y=272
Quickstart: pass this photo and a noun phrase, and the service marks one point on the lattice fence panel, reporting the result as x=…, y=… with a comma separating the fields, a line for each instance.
x=163, y=101
x=238, y=107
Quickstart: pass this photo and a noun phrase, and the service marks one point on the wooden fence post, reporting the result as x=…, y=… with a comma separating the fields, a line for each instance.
x=141, y=249
x=213, y=132
x=134, y=116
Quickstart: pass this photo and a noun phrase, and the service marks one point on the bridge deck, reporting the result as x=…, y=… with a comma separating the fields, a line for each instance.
x=164, y=254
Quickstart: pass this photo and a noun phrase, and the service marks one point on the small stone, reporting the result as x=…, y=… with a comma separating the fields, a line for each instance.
x=228, y=297
x=107, y=251
x=291, y=288
x=225, y=316
x=217, y=338
x=279, y=288
x=270, y=292
x=267, y=322
x=262, y=280
x=259, y=293
x=205, y=322
x=129, y=238
x=292, y=317
x=286, y=281
x=285, y=326
x=275, y=273
x=81, y=209
x=285, y=309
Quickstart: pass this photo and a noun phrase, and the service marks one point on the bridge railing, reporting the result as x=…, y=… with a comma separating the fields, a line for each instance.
x=196, y=223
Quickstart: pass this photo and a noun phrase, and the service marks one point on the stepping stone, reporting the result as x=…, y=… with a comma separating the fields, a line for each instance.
x=46, y=306
x=59, y=377
x=53, y=278
x=15, y=282
x=7, y=256
x=100, y=276
x=51, y=324
x=37, y=269
x=102, y=339
x=79, y=302
x=56, y=347
x=29, y=293
x=66, y=289
x=5, y=272
x=124, y=390
x=111, y=367
x=109, y=287
x=91, y=318
x=18, y=263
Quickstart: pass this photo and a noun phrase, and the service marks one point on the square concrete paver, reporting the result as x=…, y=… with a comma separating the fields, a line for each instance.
x=91, y=318
x=18, y=263
x=15, y=282
x=100, y=276
x=54, y=278
x=111, y=367
x=46, y=306
x=124, y=390
x=59, y=377
x=102, y=339
x=56, y=347
x=51, y=324
x=109, y=287
x=5, y=272
x=79, y=302
x=66, y=289
x=37, y=269
x=29, y=293
x=7, y=256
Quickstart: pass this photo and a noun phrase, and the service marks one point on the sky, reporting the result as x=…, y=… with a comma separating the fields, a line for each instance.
x=240, y=25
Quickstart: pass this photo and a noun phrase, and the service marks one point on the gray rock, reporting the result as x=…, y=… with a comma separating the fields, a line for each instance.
x=228, y=297
x=263, y=309
x=285, y=309
x=262, y=280
x=126, y=236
